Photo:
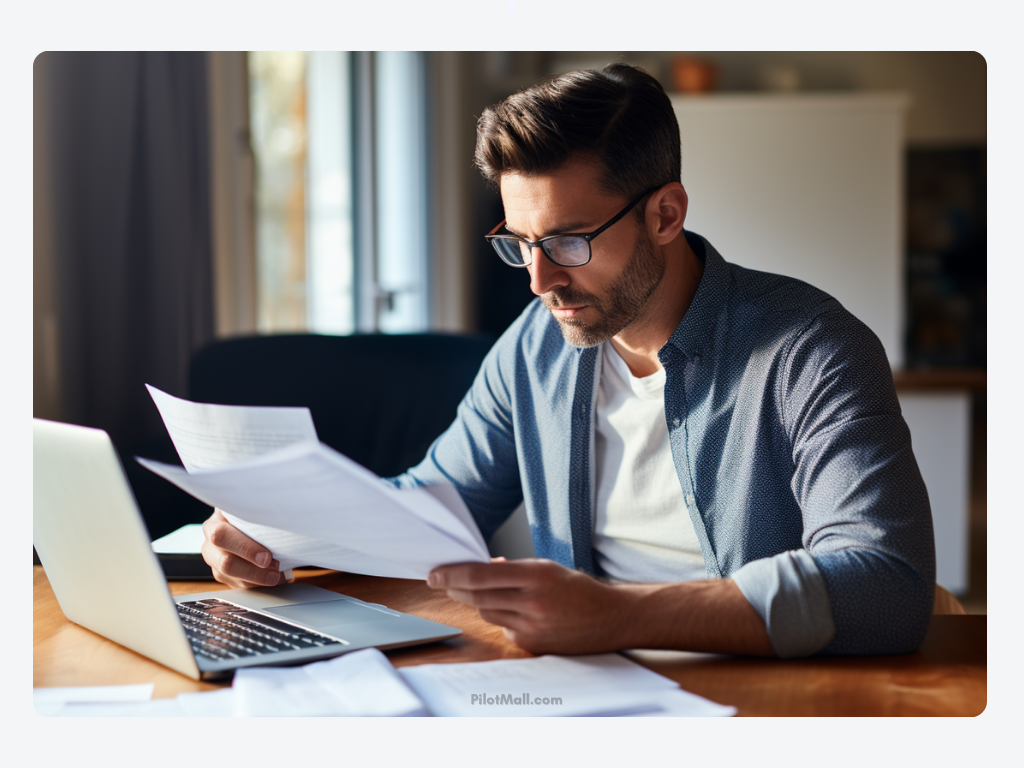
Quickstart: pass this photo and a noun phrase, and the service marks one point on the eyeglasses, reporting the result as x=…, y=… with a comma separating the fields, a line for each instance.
x=564, y=250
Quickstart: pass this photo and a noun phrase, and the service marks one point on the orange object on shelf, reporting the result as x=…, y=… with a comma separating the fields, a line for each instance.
x=693, y=75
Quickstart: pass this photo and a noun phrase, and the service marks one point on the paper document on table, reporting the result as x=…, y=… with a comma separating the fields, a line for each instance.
x=361, y=683
x=597, y=685
x=308, y=504
x=218, y=703
x=153, y=708
x=48, y=701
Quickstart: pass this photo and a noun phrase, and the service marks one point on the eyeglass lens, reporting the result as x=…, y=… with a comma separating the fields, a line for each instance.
x=565, y=251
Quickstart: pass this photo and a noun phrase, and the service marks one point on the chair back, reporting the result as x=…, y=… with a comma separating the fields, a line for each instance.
x=379, y=399
x=946, y=604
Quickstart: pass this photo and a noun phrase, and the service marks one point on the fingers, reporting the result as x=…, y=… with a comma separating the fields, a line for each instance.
x=508, y=619
x=494, y=575
x=492, y=599
x=237, y=560
x=224, y=535
x=509, y=594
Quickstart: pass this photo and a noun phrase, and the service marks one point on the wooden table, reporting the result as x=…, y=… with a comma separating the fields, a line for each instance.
x=947, y=676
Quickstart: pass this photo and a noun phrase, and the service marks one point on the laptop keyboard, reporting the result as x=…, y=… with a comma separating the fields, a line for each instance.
x=221, y=631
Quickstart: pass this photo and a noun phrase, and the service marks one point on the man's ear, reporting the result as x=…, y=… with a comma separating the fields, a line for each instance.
x=666, y=212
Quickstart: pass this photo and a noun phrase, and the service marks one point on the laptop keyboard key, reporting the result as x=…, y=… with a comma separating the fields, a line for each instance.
x=219, y=630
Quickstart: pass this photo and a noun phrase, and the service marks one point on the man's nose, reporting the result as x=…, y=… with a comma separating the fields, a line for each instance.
x=545, y=274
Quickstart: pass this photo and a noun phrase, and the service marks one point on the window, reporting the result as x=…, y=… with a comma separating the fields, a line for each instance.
x=403, y=232
x=277, y=93
x=329, y=255
x=342, y=216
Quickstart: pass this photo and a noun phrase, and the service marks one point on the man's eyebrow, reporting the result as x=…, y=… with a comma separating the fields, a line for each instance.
x=572, y=228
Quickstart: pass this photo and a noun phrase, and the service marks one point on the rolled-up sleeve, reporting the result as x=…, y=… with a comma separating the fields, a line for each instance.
x=789, y=594
x=864, y=581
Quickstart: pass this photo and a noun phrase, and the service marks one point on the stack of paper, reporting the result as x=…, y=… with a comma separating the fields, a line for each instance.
x=51, y=701
x=219, y=703
x=598, y=685
x=363, y=683
x=151, y=708
x=307, y=503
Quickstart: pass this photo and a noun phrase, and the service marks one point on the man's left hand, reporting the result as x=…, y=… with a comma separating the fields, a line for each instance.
x=542, y=606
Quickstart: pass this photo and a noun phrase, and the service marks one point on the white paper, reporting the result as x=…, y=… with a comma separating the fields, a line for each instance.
x=295, y=549
x=281, y=692
x=367, y=683
x=680, y=703
x=152, y=708
x=353, y=522
x=207, y=436
x=601, y=685
x=451, y=501
x=187, y=540
x=219, y=703
x=311, y=490
x=361, y=683
x=48, y=701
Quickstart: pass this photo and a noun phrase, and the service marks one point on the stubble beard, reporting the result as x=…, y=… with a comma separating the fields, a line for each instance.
x=619, y=307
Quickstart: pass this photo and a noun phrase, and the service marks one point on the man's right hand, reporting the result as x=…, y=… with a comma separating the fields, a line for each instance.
x=237, y=560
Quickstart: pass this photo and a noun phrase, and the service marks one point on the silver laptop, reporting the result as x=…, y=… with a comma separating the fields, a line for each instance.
x=94, y=546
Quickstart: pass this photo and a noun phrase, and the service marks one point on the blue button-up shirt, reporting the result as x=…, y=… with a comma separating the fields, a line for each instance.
x=791, y=452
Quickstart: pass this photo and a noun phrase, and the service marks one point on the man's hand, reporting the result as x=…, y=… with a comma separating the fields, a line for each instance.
x=237, y=560
x=543, y=607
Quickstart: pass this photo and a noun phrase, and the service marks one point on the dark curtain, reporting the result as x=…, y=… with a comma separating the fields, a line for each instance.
x=126, y=143
x=128, y=138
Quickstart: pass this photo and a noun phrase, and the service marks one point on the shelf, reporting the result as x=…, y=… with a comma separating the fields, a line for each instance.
x=975, y=379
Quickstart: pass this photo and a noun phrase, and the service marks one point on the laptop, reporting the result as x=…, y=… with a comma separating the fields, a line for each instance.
x=94, y=546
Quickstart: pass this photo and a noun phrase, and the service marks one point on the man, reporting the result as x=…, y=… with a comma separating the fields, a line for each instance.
x=712, y=458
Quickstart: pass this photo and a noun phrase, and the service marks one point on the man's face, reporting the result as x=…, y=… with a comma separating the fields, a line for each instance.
x=594, y=302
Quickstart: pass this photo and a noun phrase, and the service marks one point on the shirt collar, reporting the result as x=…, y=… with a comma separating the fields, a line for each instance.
x=697, y=326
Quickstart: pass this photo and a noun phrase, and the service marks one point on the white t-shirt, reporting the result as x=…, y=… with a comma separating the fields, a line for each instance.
x=642, y=530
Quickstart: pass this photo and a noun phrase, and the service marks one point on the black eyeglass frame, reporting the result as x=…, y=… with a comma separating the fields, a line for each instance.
x=588, y=236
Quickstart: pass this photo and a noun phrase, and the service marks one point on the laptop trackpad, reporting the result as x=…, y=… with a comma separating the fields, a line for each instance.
x=331, y=616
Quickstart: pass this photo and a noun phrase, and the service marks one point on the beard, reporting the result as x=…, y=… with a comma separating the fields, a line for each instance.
x=620, y=304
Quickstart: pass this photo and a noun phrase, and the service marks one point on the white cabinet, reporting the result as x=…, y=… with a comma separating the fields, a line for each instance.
x=940, y=429
x=809, y=186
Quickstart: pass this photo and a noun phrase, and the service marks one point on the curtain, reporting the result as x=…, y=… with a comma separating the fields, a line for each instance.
x=125, y=145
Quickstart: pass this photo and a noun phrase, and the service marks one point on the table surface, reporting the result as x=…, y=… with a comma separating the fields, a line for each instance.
x=946, y=676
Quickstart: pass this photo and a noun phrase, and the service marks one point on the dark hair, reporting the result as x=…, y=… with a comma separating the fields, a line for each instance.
x=619, y=117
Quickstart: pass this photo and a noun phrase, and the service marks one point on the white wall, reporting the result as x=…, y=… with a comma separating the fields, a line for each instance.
x=808, y=186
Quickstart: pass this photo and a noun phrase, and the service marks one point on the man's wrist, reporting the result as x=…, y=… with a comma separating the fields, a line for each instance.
x=708, y=616
x=633, y=625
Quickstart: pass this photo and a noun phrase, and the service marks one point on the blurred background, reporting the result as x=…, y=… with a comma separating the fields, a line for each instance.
x=186, y=197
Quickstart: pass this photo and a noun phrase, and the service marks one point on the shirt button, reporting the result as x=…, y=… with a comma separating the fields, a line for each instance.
x=689, y=499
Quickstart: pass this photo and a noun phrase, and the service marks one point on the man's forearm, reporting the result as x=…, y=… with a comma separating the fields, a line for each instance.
x=545, y=607
x=694, y=616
